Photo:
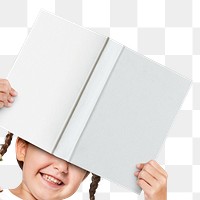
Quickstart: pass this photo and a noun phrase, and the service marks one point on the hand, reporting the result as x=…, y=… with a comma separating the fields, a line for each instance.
x=152, y=178
x=6, y=93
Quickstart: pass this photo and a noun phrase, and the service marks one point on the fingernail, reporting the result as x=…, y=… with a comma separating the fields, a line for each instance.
x=138, y=165
x=15, y=93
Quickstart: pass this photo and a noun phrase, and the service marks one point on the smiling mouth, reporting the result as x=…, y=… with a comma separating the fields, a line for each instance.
x=51, y=179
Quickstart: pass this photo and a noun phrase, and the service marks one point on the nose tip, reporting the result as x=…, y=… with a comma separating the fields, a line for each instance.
x=65, y=171
x=61, y=166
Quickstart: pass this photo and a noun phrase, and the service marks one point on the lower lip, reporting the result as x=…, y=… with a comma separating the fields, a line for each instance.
x=50, y=184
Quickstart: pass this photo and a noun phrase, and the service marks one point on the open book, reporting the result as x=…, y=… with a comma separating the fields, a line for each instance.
x=90, y=100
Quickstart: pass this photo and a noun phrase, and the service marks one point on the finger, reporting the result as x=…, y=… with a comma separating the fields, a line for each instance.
x=4, y=89
x=13, y=92
x=154, y=164
x=140, y=166
x=7, y=104
x=158, y=167
x=4, y=99
x=162, y=179
x=4, y=81
x=1, y=104
x=144, y=185
x=136, y=173
x=10, y=99
x=5, y=85
x=151, y=170
x=148, y=178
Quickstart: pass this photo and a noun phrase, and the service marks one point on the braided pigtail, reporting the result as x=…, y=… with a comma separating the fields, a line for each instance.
x=94, y=185
x=5, y=146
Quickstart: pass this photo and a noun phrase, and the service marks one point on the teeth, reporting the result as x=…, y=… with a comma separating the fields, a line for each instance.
x=51, y=179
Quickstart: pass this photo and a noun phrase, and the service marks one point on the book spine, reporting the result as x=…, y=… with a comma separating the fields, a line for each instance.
x=55, y=146
x=89, y=98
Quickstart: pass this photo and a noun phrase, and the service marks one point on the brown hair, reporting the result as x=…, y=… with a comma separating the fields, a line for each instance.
x=6, y=144
x=95, y=178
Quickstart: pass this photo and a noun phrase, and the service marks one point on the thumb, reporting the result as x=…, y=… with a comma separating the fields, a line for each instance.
x=13, y=92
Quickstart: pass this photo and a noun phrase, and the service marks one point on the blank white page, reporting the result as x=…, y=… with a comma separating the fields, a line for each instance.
x=131, y=118
x=49, y=75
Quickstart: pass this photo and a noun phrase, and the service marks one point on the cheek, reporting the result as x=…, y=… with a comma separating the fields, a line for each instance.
x=33, y=163
x=30, y=169
x=74, y=182
x=36, y=158
x=76, y=175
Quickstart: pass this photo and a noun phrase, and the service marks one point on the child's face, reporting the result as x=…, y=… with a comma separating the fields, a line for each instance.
x=46, y=176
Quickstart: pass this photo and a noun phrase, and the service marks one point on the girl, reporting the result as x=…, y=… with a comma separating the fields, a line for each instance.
x=46, y=176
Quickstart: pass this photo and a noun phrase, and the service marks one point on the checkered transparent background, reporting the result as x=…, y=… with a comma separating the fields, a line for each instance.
x=167, y=31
